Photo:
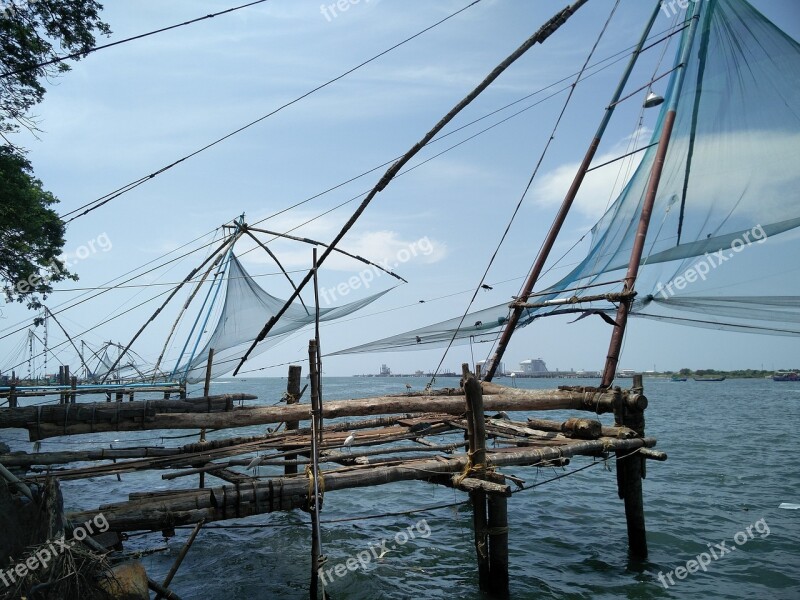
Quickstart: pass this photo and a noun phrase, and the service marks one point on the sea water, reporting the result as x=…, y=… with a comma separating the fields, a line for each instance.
x=731, y=448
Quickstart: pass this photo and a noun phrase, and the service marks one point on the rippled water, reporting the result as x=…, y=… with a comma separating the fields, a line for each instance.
x=731, y=463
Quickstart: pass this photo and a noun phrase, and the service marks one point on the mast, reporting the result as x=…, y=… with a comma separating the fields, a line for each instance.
x=615, y=345
x=566, y=205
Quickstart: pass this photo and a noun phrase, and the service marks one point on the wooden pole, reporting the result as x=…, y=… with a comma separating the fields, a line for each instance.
x=318, y=350
x=621, y=319
x=630, y=471
x=293, y=397
x=315, y=501
x=181, y=556
x=12, y=395
x=206, y=388
x=498, y=546
x=187, y=415
x=477, y=464
x=566, y=205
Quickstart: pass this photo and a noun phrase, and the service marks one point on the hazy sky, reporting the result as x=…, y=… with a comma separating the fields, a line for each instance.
x=125, y=112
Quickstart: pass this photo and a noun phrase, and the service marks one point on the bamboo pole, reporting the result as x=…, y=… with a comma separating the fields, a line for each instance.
x=292, y=397
x=228, y=242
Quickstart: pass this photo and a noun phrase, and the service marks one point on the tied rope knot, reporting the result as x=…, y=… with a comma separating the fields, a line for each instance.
x=312, y=498
x=472, y=468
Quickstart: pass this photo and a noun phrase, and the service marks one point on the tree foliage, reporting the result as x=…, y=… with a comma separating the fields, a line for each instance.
x=33, y=32
x=31, y=233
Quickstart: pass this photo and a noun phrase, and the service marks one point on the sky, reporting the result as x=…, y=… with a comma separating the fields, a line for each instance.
x=128, y=111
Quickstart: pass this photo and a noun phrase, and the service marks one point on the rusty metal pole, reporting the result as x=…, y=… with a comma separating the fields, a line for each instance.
x=566, y=205
x=615, y=346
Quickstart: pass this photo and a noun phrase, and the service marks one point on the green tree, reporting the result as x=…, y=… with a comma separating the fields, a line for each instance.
x=31, y=233
x=33, y=33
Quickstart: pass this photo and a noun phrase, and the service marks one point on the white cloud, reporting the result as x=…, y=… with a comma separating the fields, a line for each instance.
x=600, y=187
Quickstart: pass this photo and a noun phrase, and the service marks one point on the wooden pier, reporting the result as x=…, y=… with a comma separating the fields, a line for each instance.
x=437, y=436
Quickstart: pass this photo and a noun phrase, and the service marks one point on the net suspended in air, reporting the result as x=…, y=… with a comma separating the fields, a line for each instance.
x=723, y=237
x=245, y=310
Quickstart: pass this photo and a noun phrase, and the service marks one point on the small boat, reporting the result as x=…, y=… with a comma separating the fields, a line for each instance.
x=786, y=376
x=676, y=378
x=709, y=379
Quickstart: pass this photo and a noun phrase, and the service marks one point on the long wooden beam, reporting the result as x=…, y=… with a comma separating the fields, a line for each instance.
x=509, y=400
x=111, y=412
x=183, y=507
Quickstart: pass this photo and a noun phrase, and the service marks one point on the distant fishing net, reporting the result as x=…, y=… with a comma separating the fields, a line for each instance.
x=245, y=310
x=723, y=241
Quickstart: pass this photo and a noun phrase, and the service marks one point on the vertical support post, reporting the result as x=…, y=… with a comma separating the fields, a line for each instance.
x=490, y=511
x=319, y=351
x=206, y=391
x=630, y=470
x=118, y=396
x=12, y=395
x=476, y=427
x=292, y=397
x=61, y=396
x=316, y=500
x=73, y=384
x=498, y=546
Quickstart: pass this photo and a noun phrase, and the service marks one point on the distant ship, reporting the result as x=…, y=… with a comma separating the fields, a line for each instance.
x=786, y=376
x=709, y=379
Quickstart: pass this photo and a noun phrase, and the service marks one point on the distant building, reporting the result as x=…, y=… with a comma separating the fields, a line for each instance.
x=501, y=368
x=385, y=371
x=533, y=366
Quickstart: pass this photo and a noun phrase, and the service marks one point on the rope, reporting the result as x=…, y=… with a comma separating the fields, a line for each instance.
x=312, y=499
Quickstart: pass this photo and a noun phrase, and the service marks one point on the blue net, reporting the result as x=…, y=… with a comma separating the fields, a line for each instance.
x=246, y=308
x=724, y=224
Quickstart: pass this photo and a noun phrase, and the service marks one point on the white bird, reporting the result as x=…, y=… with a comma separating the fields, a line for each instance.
x=349, y=441
x=253, y=464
